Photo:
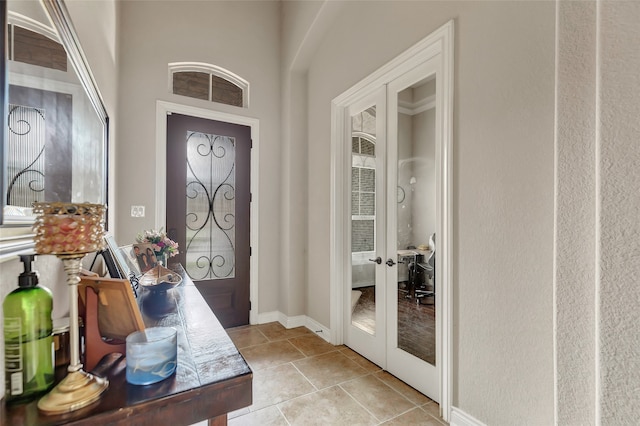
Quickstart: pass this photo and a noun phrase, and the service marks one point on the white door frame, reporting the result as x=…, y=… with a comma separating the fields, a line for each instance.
x=164, y=108
x=440, y=42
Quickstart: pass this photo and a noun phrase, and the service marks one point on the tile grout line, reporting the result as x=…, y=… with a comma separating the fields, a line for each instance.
x=305, y=377
x=407, y=411
x=400, y=393
x=374, y=374
x=276, y=405
x=250, y=346
x=316, y=389
x=439, y=419
x=311, y=383
x=266, y=343
x=358, y=402
x=263, y=335
x=334, y=349
x=282, y=414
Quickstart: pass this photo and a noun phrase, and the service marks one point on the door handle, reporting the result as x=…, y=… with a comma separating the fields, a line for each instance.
x=390, y=262
x=378, y=260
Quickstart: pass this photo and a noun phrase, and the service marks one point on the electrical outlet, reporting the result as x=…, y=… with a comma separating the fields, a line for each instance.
x=137, y=211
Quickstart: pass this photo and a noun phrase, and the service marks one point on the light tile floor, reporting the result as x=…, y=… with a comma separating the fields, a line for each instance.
x=300, y=379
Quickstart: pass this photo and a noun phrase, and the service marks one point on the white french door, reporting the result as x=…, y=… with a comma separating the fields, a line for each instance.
x=364, y=311
x=412, y=223
x=392, y=298
x=391, y=228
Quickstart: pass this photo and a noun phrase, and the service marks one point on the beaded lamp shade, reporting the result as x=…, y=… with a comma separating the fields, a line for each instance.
x=69, y=228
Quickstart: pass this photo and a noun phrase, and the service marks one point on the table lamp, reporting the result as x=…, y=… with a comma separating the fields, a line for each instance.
x=70, y=231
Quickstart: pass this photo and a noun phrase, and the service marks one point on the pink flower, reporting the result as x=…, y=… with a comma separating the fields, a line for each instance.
x=160, y=243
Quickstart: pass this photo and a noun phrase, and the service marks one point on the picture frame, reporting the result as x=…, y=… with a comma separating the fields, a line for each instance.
x=130, y=261
x=121, y=262
x=118, y=312
x=113, y=259
x=145, y=256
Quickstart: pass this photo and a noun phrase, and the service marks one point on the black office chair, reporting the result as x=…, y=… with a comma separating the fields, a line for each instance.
x=429, y=268
x=416, y=276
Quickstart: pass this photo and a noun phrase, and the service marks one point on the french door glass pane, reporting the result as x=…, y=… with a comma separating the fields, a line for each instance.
x=363, y=212
x=416, y=221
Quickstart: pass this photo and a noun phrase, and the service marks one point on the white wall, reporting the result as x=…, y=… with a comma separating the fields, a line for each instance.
x=97, y=27
x=416, y=159
x=424, y=170
x=242, y=37
x=303, y=27
x=405, y=208
x=503, y=186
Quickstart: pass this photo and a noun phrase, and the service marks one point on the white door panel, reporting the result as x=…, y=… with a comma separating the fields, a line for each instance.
x=365, y=325
x=412, y=170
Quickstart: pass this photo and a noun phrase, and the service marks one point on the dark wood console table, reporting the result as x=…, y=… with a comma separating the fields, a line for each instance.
x=211, y=378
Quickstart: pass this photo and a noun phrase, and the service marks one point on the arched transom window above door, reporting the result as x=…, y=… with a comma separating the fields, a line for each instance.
x=208, y=82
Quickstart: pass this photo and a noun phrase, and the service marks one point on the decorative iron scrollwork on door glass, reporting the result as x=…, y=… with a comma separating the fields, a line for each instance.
x=25, y=155
x=211, y=210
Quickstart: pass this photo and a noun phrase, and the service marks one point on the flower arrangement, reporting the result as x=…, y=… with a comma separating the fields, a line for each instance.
x=160, y=243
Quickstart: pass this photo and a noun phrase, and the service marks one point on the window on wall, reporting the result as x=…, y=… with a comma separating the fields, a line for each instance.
x=209, y=83
x=363, y=194
x=35, y=49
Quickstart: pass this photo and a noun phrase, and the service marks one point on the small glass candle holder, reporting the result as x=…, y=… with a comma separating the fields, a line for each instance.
x=152, y=355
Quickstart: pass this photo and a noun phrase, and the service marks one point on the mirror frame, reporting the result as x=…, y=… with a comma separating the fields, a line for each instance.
x=17, y=238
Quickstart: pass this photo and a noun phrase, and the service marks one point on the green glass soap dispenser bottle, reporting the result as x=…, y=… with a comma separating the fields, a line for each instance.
x=28, y=339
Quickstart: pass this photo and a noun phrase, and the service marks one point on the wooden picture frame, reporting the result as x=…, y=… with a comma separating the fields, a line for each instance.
x=117, y=311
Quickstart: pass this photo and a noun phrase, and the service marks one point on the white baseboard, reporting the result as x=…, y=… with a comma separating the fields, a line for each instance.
x=292, y=322
x=268, y=317
x=297, y=321
x=460, y=418
x=319, y=329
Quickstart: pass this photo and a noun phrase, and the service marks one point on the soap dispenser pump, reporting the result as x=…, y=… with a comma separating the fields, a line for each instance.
x=28, y=339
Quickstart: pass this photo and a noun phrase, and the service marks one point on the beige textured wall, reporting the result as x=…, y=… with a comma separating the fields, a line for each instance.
x=575, y=267
x=503, y=186
x=598, y=233
x=618, y=294
x=242, y=37
x=303, y=27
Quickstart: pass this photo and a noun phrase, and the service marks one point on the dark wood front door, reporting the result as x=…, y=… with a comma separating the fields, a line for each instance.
x=208, y=209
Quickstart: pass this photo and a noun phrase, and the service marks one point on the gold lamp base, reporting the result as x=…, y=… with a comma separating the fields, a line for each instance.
x=77, y=390
x=70, y=231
